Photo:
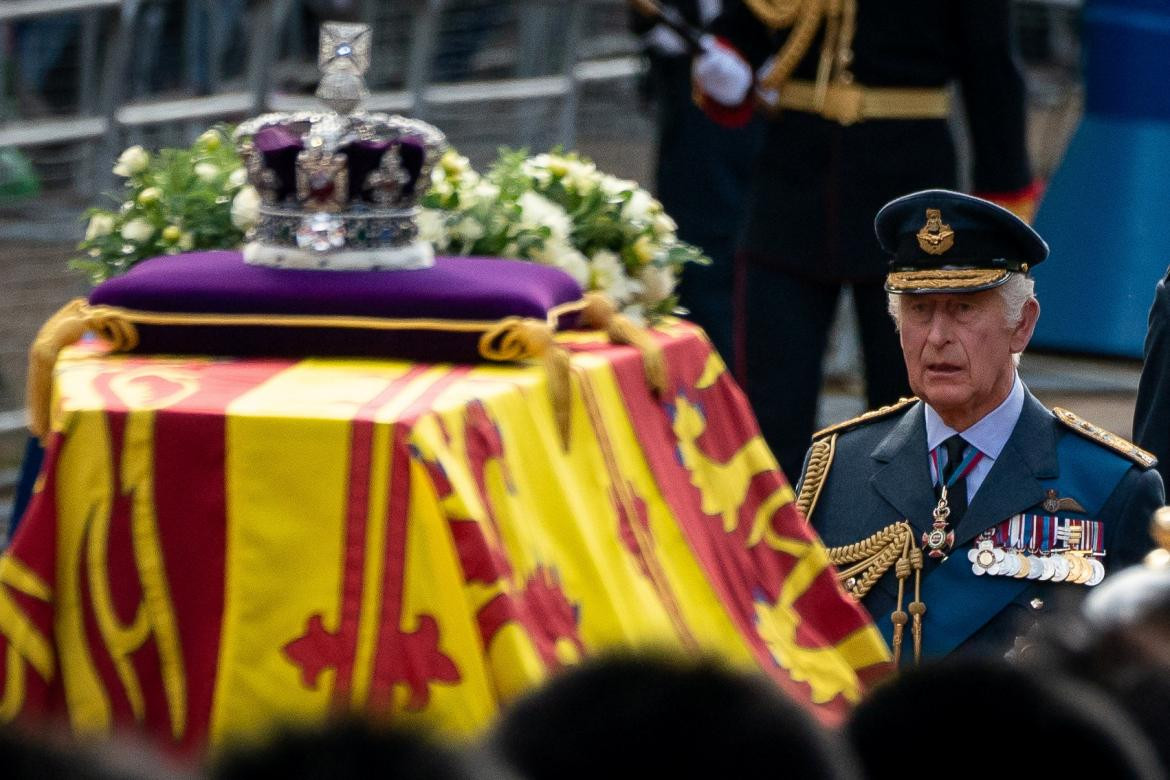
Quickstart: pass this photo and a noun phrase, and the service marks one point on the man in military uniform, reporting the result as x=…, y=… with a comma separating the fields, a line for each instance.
x=702, y=170
x=857, y=93
x=959, y=515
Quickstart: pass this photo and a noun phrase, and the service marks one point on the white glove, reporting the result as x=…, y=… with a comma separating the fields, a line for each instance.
x=721, y=74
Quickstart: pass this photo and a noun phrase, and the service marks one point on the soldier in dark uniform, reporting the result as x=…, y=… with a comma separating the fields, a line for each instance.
x=858, y=92
x=958, y=513
x=1151, y=414
x=702, y=170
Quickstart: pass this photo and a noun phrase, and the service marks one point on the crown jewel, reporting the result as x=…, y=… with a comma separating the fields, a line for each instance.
x=339, y=189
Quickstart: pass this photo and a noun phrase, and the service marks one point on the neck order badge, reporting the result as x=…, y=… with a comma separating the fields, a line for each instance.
x=940, y=538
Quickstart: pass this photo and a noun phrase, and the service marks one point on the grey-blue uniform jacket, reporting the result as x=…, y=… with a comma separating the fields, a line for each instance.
x=880, y=474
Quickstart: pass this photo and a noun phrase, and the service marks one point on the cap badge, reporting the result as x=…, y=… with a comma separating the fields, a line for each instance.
x=936, y=236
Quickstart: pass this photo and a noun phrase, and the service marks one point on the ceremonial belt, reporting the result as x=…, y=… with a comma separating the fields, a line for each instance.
x=851, y=103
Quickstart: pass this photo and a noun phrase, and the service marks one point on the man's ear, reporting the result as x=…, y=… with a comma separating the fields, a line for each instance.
x=1023, y=331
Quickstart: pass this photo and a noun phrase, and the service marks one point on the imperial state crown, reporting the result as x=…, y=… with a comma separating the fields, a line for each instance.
x=339, y=188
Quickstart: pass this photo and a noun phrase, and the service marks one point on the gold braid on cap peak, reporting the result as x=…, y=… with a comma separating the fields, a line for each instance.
x=944, y=279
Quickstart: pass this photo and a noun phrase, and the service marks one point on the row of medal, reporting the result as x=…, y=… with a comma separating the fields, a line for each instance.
x=1041, y=547
x=1076, y=567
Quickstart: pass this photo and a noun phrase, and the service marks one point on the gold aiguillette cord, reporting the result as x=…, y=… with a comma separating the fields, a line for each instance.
x=910, y=561
x=862, y=564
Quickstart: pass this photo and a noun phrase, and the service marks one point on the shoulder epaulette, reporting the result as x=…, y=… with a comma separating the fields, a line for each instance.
x=870, y=416
x=1105, y=438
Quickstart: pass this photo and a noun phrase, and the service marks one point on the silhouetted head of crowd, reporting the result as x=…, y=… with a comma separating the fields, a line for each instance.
x=1119, y=643
x=626, y=716
x=653, y=716
x=354, y=749
x=983, y=716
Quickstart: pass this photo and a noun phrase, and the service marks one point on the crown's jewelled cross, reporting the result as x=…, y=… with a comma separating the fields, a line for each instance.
x=343, y=56
x=344, y=46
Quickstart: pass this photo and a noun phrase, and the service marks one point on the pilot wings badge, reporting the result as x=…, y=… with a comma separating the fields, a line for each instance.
x=936, y=236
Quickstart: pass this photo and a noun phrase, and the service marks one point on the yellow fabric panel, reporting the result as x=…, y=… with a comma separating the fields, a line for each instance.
x=561, y=516
x=320, y=389
x=433, y=586
x=299, y=426
x=683, y=577
x=83, y=494
x=515, y=665
x=287, y=479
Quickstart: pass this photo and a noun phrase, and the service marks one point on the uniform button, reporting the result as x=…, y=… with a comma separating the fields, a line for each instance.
x=1037, y=603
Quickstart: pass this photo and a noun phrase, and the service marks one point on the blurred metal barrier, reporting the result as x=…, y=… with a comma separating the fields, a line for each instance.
x=525, y=89
x=109, y=116
x=21, y=9
x=88, y=125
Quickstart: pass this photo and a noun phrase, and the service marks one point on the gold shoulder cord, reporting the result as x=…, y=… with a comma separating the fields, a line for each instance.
x=862, y=564
x=805, y=16
x=819, y=461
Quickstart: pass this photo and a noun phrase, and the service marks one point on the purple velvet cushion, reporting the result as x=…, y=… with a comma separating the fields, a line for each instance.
x=221, y=283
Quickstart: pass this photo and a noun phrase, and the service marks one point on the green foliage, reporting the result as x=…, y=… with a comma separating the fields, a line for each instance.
x=174, y=201
x=558, y=209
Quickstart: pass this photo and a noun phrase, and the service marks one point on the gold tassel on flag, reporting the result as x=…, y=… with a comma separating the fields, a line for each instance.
x=62, y=329
x=517, y=338
x=600, y=313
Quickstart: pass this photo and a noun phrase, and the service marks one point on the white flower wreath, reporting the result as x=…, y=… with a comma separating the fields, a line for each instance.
x=556, y=208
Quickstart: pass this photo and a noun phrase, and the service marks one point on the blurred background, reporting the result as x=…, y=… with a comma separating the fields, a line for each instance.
x=82, y=79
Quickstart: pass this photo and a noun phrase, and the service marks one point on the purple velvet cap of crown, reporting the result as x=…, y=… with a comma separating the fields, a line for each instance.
x=413, y=153
x=220, y=282
x=361, y=158
x=280, y=146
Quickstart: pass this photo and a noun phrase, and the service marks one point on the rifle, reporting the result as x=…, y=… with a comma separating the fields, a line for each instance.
x=670, y=16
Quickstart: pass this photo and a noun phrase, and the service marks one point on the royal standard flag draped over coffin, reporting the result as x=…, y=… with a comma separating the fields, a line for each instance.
x=220, y=546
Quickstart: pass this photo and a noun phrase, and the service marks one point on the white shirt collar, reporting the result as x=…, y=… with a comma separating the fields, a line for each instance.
x=990, y=434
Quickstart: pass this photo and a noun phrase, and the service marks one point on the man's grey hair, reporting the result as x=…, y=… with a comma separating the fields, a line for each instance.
x=1016, y=292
